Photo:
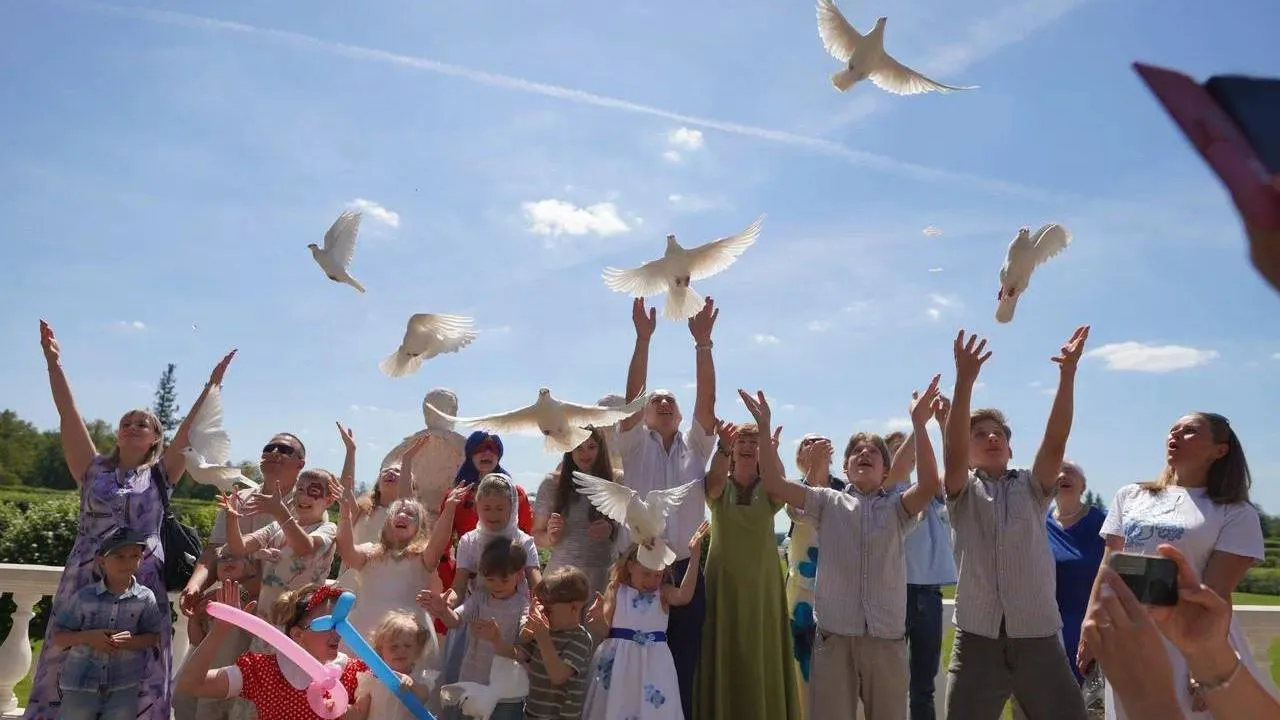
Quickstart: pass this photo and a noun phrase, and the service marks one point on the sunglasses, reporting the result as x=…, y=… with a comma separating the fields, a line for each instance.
x=810, y=441
x=279, y=448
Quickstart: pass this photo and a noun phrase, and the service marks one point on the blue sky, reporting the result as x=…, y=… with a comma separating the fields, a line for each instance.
x=160, y=170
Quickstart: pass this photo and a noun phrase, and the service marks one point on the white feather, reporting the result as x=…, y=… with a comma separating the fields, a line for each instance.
x=645, y=519
x=560, y=422
x=508, y=681
x=208, y=449
x=1026, y=252
x=426, y=336
x=339, y=248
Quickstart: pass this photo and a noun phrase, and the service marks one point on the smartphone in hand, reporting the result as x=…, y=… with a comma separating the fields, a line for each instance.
x=1153, y=579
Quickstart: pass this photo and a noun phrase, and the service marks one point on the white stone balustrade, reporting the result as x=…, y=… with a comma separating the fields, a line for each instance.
x=28, y=583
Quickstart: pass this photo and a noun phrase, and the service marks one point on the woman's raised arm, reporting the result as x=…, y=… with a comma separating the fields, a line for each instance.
x=77, y=444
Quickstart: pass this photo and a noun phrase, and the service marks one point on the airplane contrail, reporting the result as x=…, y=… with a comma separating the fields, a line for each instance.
x=583, y=97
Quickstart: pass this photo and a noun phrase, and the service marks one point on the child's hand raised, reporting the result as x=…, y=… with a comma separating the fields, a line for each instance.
x=695, y=543
x=969, y=355
x=486, y=629
x=457, y=496
x=536, y=622
x=922, y=404
x=432, y=602
x=348, y=437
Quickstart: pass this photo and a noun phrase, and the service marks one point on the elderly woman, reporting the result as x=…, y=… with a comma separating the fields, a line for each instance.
x=128, y=487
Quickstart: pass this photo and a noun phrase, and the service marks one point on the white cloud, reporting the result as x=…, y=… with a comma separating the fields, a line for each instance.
x=364, y=408
x=935, y=270
x=558, y=217
x=377, y=211
x=765, y=339
x=932, y=231
x=672, y=156
x=691, y=203
x=1140, y=357
x=1276, y=356
x=897, y=423
x=819, y=325
x=685, y=139
x=130, y=325
x=933, y=313
x=938, y=302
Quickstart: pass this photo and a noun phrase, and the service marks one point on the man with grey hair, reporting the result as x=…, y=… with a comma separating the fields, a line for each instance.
x=437, y=460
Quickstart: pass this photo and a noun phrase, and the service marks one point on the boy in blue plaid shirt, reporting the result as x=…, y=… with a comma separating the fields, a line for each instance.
x=109, y=627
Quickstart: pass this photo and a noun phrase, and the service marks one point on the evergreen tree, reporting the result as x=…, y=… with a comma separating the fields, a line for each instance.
x=166, y=406
x=1094, y=499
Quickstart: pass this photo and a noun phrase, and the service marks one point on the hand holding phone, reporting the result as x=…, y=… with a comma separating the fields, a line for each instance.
x=1153, y=579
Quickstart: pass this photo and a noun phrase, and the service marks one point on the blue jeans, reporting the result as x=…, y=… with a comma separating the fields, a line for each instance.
x=924, y=646
x=684, y=634
x=94, y=705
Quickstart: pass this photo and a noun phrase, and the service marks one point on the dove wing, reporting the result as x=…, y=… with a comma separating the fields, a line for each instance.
x=709, y=259
x=512, y=421
x=1050, y=240
x=447, y=333
x=340, y=241
x=610, y=498
x=601, y=415
x=838, y=37
x=206, y=435
x=660, y=502
x=892, y=76
x=651, y=278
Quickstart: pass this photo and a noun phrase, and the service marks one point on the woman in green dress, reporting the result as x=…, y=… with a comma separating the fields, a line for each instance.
x=746, y=671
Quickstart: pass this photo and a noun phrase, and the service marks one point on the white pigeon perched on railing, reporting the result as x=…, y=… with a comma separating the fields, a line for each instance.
x=339, y=247
x=508, y=681
x=561, y=423
x=645, y=518
x=208, y=447
x=865, y=57
x=677, y=268
x=425, y=337
x=1025, y=254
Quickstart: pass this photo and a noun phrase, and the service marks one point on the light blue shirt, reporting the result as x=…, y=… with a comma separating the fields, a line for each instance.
x=95, y=607
x=930, y=560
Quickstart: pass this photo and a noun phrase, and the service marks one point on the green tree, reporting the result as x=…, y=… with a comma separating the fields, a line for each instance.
x=1094, y=499
x=20, y=444
x=50, y=469
x=166, y=406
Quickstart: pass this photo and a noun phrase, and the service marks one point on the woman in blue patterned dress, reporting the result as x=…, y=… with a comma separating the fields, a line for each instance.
x=120, y=489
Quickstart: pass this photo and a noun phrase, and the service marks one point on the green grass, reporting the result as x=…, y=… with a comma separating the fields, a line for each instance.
x=23, y=689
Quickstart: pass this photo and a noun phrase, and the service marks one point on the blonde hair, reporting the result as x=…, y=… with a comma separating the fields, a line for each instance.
x=416, y=544
x=398, y=623
x=156, y=449
x=366, y=503
x=620, y=573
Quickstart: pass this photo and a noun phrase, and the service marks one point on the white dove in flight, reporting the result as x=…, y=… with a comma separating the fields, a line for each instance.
x=1025, y=254
x=508, y=680
x=866, y=58
x=673, y=272
x=560, y=422
x=645, y=519
x=339, y=247
x=209, y=447
x=425, y=337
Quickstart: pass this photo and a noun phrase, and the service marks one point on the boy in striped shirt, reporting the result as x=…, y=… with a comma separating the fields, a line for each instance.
x=556, y=647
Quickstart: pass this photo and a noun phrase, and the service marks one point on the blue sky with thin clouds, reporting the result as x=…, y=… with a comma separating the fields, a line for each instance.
x=161, y=172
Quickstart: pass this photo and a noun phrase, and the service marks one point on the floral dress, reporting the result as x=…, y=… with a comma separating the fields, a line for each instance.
x=111, y=499
x=634, y=677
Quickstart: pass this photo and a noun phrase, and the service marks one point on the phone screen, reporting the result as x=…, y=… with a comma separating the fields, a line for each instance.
x=1154, y=580
x=1254, y=104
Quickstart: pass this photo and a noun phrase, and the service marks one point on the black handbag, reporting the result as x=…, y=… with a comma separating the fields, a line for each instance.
x=181, y=544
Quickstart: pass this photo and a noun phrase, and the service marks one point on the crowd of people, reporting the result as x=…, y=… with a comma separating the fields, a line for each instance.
x=450, y=587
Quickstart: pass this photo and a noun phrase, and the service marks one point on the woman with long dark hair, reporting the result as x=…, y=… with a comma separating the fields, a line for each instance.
x=567, y=524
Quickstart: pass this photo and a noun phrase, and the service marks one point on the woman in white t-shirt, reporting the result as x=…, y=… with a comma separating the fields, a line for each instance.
x=1200, y=505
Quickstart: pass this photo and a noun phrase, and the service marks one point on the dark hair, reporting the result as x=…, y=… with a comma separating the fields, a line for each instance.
x=566, y=492
x=993, y=415
x=1227, y=481
x=872, y=438
x=468, y=473
x=502, y=556
x=302, y=449
x=565, y=584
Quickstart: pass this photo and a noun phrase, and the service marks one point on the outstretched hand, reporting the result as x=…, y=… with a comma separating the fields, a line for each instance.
x=758, y=406
x=700, y=325
x=645, y=319
x=970, y=355
x=922, y=405
x=48, y=343
x=1069, y=355
x=348, y=437
x=220, y=370
x=727, y=433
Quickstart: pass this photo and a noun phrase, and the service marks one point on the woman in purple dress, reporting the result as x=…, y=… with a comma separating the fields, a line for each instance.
x=120, y=489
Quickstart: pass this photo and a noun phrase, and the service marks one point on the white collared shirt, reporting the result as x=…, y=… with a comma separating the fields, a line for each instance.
x=646, y=466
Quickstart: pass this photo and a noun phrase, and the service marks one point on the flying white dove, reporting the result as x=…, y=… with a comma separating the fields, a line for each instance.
x=425, y=337
x=866, y=58
x=560, y=422
x=339, y=247
x=209, y=447
x=673, y=272
x=1025, y=254
x=645, y=519
x=508, y=680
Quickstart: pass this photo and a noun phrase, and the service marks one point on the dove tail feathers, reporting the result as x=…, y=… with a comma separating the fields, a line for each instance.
x=398, y=364
x=844, y=79
x=682, y=303
x=355, y=284
x=1004, y=311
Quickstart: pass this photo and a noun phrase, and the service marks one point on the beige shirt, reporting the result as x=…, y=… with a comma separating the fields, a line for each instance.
x=1006, y=569
x=861, y=583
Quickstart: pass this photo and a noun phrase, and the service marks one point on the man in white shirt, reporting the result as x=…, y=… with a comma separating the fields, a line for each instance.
x=656, y=455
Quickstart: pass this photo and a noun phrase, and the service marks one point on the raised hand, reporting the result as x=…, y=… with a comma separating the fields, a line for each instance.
x=348, y=437
x=232, y=504
x=263, y=502
x=970, y=355
x=220, y=370
x=941, y=408
x=727, y=432
x=695, y=542
x=432, y=601
x=700, y=325
x=922, y=404
x=555, y=526
x=457, y=496
x=645, y=319
x=48, y=343
x=1069, y=355
x=485, y=629
x=777, y=435
x=758, y=406
x=346, y=495
x=536, y=621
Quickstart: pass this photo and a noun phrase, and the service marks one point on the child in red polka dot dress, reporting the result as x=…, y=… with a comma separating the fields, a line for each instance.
x=276, y=687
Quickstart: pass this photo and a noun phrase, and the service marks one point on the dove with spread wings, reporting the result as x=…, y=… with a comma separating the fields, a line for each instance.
x=560, y=422
x=339, y=247
x=1026, y=253
x=208, y=447
x=425, y=337
x=508, y=681
x=645, y=518
x=677, y=268
x=865, y=57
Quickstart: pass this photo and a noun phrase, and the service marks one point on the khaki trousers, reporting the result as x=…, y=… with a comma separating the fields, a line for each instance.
x=847, y=670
